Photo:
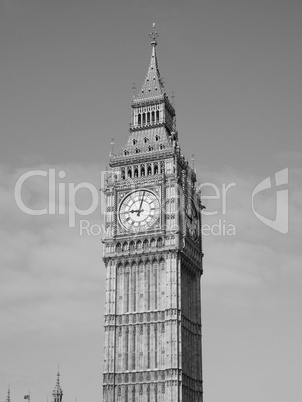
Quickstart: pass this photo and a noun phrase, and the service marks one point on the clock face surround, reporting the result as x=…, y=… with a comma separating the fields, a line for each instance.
x=139, y=210
x=192, y=221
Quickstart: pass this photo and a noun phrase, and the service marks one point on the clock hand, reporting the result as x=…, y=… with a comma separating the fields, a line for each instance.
x=136, y=210
x=140, y=210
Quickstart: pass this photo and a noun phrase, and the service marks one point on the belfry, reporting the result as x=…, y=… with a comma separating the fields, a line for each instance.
x=153, y=258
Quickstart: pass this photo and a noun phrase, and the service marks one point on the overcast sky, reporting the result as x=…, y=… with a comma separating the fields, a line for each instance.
x=67, y=69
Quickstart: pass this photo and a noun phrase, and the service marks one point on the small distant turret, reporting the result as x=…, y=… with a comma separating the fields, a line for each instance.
x=8, y=395
x=57, y=392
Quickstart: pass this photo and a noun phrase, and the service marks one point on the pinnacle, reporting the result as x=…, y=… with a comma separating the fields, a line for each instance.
x=153, y=84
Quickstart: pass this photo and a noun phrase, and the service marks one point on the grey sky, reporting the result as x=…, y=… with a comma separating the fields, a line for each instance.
x=66, y=75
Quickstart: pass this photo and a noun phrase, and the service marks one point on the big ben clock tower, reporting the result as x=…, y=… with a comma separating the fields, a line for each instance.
x=153, y=259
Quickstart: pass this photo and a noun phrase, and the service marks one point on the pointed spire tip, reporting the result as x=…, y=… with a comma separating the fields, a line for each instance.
x=153, y=35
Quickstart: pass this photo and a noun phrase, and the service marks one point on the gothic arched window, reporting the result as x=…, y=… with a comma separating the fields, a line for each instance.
x=159, y=242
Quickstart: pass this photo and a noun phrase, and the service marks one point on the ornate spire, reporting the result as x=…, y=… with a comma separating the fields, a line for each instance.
x=152, y=115
x=8, y=394
x=57, y=393
x=153, y=85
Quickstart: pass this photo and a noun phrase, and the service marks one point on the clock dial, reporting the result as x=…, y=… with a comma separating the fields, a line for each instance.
x=139, y=210
x=192, y=221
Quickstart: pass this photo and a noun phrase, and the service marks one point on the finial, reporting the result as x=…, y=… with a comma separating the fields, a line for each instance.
x=133, y=90
x=153, y=35
x=112, y=146
x=193, y=162
x=173, y=98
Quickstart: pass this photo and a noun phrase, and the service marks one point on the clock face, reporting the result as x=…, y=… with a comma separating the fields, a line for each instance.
x=139, y=210
x=192, y=221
